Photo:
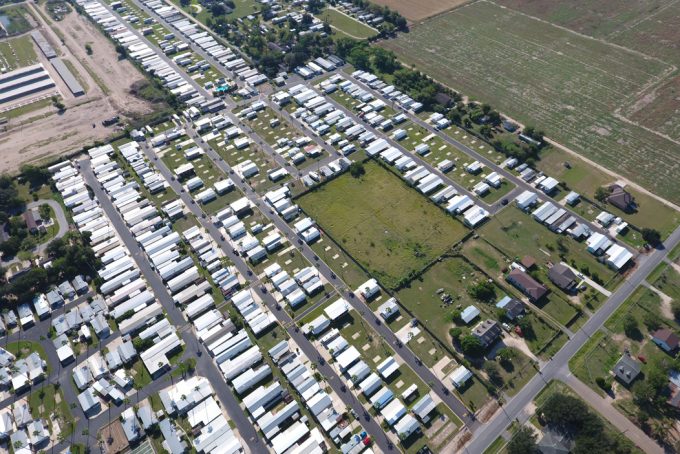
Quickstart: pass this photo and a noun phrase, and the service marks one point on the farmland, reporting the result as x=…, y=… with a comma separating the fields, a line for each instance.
x=422, y=9
x=379, y=221
x=570, y=85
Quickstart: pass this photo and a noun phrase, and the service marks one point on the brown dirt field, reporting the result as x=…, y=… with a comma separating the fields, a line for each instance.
x=416, y=11
x=38, y=135
x=659, y=109
x=114, y=438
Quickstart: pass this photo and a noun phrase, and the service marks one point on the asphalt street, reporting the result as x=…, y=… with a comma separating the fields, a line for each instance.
x=555, y=368
x=205, y=367
x=307, y=348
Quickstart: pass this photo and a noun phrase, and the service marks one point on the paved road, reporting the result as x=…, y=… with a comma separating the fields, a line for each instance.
x=307, y=348
x=205, y=366
x=605, y=408
x=554, y=369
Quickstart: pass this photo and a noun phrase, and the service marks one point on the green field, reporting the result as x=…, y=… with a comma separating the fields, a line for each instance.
x=455, y=276
x=346, y=24
x=540, y=74
x=16, y=53
x=386, y=226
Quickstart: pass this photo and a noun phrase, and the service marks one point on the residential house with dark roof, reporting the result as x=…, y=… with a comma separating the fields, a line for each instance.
x=513, y=307
x=487, y=332
x=31, y=225
x=621, y=199
x=563, y=277
x=666, y=339
x=533, y=289
x=626, y=369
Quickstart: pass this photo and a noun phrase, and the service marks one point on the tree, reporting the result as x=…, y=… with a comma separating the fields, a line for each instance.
x=651, y=321
x=651, y=236
x=384, y=60
x=482, y=291
x=472, y=346
x=88, y=49
x=184, y=3
x=455, y=333
x=356, y=169
x=675, y=308
x=491, y=369
x=630, y=326
x=360, y=58
x=36, y=176
x=44, y=211
x=523, y=441
x=602, y=193
x=643, y=393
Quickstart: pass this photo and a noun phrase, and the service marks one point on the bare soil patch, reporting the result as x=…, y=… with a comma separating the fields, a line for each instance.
x=416, y=11
x=40, y=134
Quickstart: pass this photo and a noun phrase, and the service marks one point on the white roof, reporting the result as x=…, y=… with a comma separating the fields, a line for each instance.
x=337, y=309
x=460, y=376
x=618, y=256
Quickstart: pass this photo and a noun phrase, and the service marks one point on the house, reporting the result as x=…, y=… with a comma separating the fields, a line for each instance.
x=487, y=332
x=469, y=313
x=30, y=222
x=674, y=386
x=460, y=376
x=666, y=339
x=621, y=199
x=389, y=309
x=553, y=442
x=626, y=369
x=89, y=402
x=527, y=284
x=528, y=262
x=513, y=308
x=563, y=277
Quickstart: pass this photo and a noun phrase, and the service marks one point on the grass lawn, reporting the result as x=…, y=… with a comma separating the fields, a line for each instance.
x=17, y=52
x=474, y=395
x=455, y=276
x=595, y=359
x=497, y=447
x=341, y=263
x=48, y=403
x=28, y=108
x=379, y=220
x=346, y=24
x=585, y=179
x=140, y=375
x=517, y=234
x=669, y=282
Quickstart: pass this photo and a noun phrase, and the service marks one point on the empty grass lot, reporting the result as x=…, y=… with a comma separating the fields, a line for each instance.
x=346, y=25
x=16, y=53
x=455, y=276
x=385, y=225
x=540, y=74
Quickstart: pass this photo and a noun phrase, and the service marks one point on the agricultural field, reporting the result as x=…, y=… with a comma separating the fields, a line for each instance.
x=570, y=86
x=378, y=219
x=422, y=9
x=346, y=25
x=649, y=27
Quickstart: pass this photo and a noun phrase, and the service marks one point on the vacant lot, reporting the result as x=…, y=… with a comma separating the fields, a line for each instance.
x=544, y=75
x=346, y=24
x=388, y=227
x=416, y=11
x=16, y=53
x=15, y=19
